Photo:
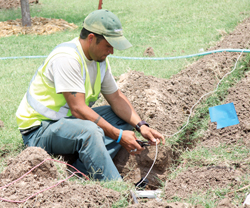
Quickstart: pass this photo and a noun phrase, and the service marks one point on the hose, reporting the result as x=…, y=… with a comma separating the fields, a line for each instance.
x=145, y=58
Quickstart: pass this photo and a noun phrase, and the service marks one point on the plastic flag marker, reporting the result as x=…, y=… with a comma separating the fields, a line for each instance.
x=225, y=115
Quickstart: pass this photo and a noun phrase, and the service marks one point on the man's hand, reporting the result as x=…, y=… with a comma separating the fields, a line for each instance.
x=151, y=135
x=128, y=141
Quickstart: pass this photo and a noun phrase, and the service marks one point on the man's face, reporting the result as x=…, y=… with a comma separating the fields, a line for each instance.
x=99, y=52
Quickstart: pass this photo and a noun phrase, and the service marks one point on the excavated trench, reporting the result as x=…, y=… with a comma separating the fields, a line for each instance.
x=166, y=104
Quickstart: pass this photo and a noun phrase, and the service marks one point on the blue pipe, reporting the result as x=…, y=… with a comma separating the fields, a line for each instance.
x=147, y=58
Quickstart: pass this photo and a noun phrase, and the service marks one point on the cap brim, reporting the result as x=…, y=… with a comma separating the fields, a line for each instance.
x=119, y=43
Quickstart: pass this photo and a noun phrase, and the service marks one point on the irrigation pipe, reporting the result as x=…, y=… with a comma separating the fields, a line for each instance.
x=145, y=58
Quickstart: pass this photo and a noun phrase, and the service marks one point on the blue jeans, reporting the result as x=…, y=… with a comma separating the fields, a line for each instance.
x=71, y=135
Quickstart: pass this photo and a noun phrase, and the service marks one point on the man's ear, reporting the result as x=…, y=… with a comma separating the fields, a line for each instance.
x=91, y=37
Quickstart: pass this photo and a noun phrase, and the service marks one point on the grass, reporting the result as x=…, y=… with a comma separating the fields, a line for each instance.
x=172, y=28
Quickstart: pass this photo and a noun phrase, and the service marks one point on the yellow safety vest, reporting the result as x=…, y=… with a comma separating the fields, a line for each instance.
x=41, y=102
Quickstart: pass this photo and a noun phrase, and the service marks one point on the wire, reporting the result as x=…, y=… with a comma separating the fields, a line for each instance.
x=156, y=152
x=180, y=57
x=21, y=201
x=204, y=96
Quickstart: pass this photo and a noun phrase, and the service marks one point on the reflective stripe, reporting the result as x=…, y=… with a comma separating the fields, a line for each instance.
x=49, y=113
x=39, y=107
x=52, y=114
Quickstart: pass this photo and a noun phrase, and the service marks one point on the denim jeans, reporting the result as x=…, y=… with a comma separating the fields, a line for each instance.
x=71, y=135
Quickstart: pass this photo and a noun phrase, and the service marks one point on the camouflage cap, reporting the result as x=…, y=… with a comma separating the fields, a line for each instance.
x=104, y=22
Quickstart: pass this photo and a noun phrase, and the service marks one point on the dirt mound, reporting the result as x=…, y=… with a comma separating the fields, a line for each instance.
x=25, y=161
x=9, y=4
x=66, y=194
x=39, y=26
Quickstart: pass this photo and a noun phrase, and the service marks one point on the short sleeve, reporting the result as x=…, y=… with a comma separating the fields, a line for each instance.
x=109, y=85
x=67, y=75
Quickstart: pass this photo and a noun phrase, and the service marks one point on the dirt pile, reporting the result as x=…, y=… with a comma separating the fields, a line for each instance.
x=39, y=26
x=66, y=194
x=9, y=4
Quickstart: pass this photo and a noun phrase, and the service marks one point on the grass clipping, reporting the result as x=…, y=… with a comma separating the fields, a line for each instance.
x=39, y=26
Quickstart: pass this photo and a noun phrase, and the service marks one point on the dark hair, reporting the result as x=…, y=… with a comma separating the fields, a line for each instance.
x=84, y=34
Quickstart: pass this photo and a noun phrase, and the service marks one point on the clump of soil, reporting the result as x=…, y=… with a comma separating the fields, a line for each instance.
x=149, y=52
x=9, y=4
x=67, y=194
x=39, y=26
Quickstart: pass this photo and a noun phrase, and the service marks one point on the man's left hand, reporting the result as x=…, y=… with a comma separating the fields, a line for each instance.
x=151, y=135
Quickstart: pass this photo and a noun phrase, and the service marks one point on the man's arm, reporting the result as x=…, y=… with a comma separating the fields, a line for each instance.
x=79, y=109
x=124, y=109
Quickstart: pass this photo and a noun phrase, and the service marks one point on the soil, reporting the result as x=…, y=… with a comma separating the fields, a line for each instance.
x=67, y=194
x=10, y=4
x=165, y=104
x=39, y=25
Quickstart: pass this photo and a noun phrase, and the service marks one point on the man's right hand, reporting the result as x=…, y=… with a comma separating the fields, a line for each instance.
x=128, y=141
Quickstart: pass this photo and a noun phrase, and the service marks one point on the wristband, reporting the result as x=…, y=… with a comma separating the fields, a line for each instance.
x=138, y=126
x=120, y=136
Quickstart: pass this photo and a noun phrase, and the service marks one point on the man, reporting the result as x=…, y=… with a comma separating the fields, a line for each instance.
x=56, y=112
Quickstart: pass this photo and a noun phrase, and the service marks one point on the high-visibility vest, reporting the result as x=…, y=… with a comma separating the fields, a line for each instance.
x=41, y=102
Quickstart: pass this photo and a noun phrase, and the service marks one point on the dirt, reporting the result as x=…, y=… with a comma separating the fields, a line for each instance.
x=39, y=25
x=67, y=194
x=165, y=104
x=10, y=4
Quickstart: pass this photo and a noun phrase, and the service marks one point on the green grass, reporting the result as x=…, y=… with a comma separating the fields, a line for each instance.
x=172, y=28
x=223, y=154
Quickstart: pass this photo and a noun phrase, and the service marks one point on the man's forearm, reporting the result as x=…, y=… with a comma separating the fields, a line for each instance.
x=123, y=108
x=79, y=109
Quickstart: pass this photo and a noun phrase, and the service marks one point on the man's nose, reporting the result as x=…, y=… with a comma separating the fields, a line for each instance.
x=111, y=50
